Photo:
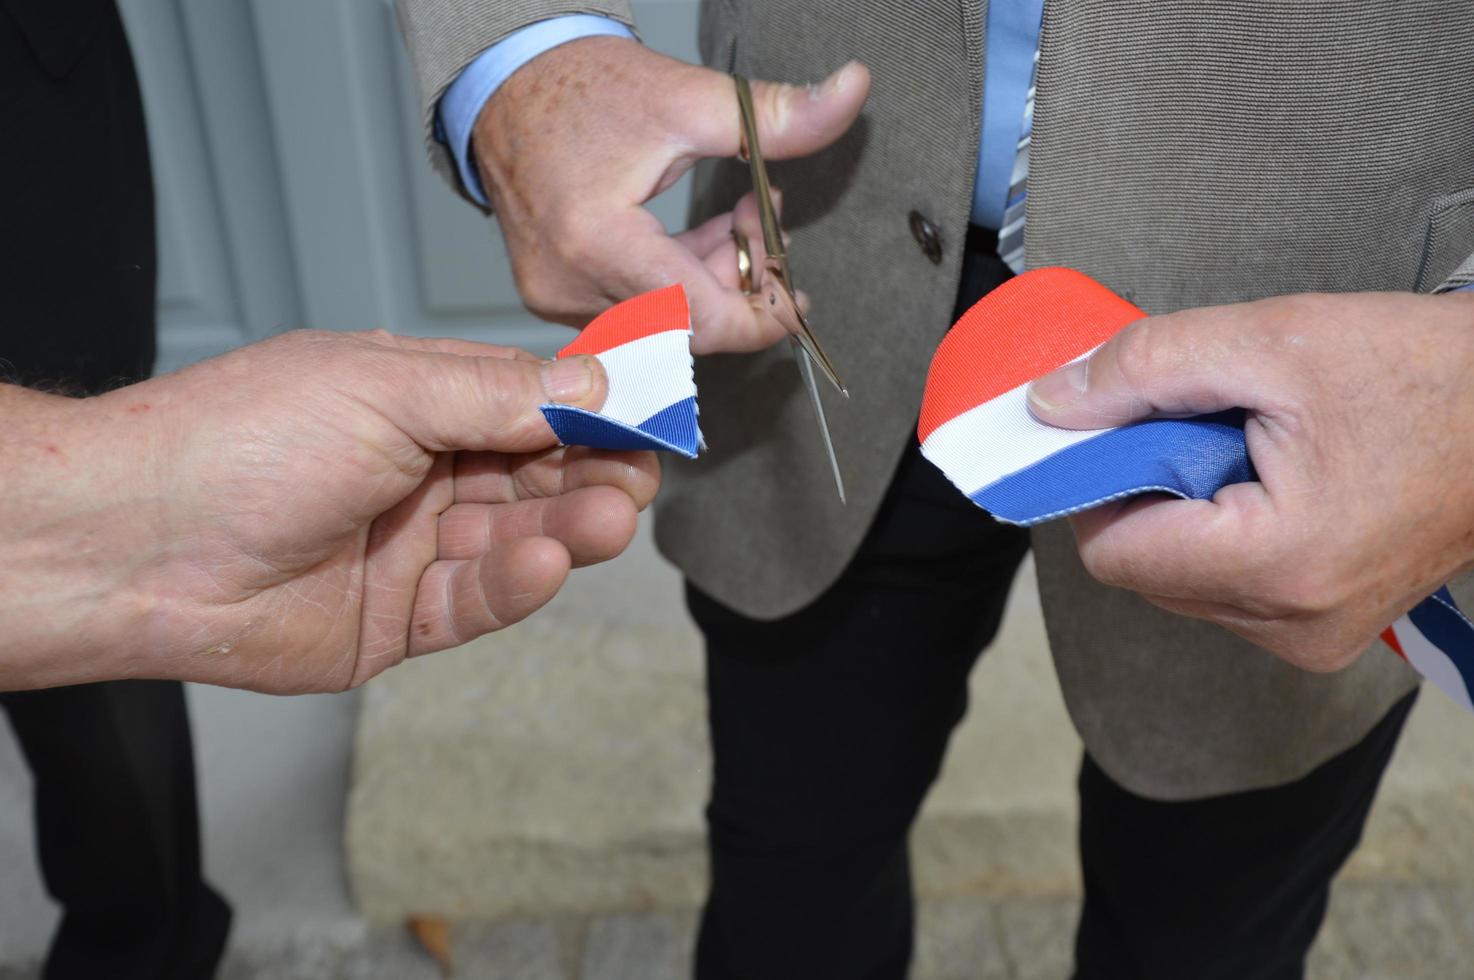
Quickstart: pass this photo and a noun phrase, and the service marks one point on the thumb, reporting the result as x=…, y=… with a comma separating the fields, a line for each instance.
x=449, y=402
x=1180, y=364
x=792, y=120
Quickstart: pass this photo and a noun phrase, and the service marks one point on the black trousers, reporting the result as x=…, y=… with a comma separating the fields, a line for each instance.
x=116, y=824
x=829, y=726
x=117, y=831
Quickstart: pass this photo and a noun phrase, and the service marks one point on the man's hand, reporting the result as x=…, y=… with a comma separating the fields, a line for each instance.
x=301, y=514
x=1359, y=410
x=579, y=138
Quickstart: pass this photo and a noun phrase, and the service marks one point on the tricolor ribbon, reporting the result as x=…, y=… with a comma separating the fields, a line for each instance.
x=644, y=345
x=976, y=427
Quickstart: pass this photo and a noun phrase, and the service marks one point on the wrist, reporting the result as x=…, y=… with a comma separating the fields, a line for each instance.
x=466, y=98
x=77, y=499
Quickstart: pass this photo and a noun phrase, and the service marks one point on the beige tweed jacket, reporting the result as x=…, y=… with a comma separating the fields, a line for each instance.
x=1184, y=155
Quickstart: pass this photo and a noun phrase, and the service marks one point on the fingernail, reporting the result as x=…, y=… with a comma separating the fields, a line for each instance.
x=568, y=379
x=1060, y=388
x=833, y=84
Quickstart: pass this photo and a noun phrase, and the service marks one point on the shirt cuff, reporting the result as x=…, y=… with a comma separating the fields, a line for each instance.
x=455, y=117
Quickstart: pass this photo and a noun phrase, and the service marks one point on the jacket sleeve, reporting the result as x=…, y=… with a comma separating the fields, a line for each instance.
x=444, y=36
x=1458, y=279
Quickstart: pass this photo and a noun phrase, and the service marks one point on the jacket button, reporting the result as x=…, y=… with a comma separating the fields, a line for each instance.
x=927, y=237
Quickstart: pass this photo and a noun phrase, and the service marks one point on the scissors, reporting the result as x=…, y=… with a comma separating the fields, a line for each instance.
x=775, y=283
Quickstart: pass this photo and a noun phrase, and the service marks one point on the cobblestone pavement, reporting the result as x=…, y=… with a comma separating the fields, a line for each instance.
x=1376, y=931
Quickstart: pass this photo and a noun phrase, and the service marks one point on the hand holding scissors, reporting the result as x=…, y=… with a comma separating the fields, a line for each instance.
x=576, y=142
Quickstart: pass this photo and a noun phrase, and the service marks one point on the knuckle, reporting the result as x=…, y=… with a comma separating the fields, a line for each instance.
x=1320, y=651
x=313, y=350
x=1138, y=352
x=1304, y=591
x=1306, y=306
x=575, y=236
x=653, y=478
x=509, y=393
x=378, y=362
x=1289, y=325
x=540, y=290
x=308, y=337
x=571, y=248
x=1102, y=566
x=774, y=104
x=550, y=280
x=377, y=337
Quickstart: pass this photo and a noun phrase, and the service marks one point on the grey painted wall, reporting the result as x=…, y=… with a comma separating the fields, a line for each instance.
x=292, y=186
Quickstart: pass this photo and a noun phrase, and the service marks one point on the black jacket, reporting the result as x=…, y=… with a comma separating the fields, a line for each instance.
x=77, y=253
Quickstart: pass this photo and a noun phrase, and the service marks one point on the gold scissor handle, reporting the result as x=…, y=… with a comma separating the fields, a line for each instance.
x=776, y=275
x=752, y=152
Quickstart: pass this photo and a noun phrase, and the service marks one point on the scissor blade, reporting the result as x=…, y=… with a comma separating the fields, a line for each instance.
x=781, y=297
x=814, y=354
x=806, y=371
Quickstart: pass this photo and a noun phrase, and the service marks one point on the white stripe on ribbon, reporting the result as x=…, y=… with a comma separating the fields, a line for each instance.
x=647, y=375
x=997, y=439
x=1431, y=662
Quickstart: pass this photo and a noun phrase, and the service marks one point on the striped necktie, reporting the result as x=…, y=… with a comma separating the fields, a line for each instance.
x=1011, y=235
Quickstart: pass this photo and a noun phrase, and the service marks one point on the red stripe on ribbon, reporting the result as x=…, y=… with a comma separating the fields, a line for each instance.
x=1025, y=328
x=644, y=315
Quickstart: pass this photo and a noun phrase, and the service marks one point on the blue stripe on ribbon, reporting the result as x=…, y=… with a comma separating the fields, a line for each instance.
x=676, y=425
x=1191, y=458
x=672, y=429
x=1438, y=619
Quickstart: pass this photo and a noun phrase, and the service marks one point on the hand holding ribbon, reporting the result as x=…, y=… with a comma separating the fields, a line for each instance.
x=1357, y=425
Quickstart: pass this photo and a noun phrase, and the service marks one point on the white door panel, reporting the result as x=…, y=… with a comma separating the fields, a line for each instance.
x=292, y=184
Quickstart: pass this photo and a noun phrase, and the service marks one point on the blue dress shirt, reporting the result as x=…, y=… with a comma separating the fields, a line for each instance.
x=1008, y=69
x=1013, y=36
x=462, y=102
